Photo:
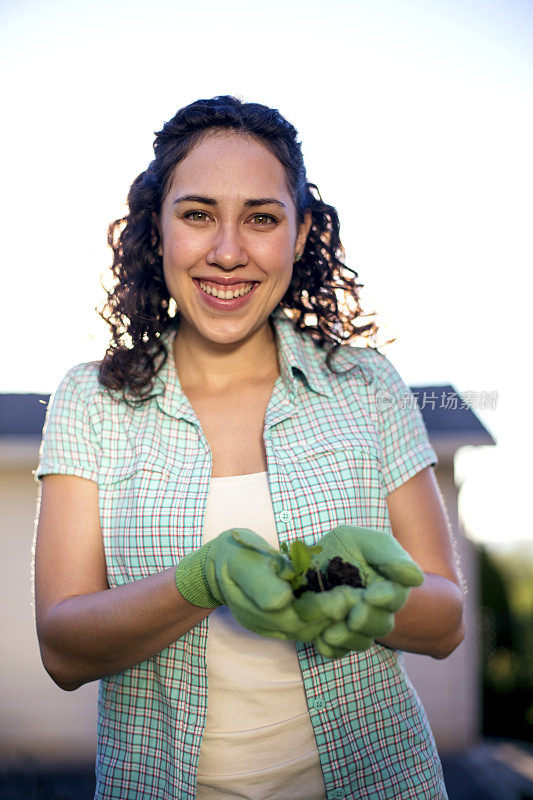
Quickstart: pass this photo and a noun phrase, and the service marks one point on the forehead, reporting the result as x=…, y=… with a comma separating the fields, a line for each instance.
x=229, y=164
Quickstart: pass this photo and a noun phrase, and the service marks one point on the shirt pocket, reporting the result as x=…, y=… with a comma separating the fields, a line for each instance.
x=139, y=510
x=335, y=483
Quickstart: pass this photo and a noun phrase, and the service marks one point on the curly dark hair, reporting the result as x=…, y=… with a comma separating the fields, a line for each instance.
x=322, y=299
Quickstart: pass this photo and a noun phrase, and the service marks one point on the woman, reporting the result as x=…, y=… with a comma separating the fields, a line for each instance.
x=225, y=401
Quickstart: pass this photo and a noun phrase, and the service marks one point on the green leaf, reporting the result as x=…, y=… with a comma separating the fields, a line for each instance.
x=300, y=557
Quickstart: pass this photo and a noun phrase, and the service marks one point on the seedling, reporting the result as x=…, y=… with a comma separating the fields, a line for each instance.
x=302, y=557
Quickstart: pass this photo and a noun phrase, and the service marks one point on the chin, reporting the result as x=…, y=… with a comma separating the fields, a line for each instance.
x=226, y=335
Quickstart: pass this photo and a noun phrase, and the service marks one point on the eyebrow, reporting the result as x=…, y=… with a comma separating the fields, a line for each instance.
x=210, y=201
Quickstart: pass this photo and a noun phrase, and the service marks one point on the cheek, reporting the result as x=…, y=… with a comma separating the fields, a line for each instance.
x=276, y=252
x=289, y=276
x=180, y=251
x=281, y=273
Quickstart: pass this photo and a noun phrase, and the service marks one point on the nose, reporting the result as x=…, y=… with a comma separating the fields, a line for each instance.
x=227, y=250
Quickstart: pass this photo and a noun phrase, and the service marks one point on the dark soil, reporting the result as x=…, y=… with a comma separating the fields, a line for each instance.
x=338, y=573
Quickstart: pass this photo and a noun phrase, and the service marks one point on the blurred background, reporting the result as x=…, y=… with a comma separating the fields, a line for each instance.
x=417, y=121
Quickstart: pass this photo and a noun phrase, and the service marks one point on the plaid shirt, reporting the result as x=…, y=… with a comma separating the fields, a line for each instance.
x=336, y=445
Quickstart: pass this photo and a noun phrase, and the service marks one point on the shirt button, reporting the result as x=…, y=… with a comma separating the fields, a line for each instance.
x=284, y=516
x=338, y=794
x=319, y=704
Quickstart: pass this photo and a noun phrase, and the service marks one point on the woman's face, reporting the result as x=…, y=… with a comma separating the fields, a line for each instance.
x=229, y=237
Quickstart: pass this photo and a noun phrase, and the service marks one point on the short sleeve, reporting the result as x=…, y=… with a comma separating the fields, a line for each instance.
x=70, y=444
x=406, y=449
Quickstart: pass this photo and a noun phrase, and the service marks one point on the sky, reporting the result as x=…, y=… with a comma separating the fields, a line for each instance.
x=416, y=120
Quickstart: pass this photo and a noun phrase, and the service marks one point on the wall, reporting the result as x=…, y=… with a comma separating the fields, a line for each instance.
x=450, y=688
x=38, y=721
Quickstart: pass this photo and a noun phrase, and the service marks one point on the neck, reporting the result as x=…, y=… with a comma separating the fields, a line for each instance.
x=215, y=366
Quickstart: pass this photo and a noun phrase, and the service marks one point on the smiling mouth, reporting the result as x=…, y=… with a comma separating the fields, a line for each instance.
x=225, y=293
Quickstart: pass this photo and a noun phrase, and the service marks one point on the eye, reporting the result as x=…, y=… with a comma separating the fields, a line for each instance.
x=196, y=216
x=263, y=219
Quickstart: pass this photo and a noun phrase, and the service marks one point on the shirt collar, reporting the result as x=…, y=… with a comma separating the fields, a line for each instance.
x=167, y=389
x=296, y=353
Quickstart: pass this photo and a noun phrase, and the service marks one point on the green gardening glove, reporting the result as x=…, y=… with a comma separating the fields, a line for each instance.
x=388, y=573
x=241, y=570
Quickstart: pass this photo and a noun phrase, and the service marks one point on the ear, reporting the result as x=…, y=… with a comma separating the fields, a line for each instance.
x=303, y=233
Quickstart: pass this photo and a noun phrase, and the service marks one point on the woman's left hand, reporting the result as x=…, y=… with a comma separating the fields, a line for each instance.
x=367, y=616
x=388, y=572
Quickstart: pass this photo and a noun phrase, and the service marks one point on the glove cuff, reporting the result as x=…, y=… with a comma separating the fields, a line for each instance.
x=190, y=579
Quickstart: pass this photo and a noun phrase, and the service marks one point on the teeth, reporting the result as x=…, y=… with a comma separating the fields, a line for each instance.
x=226, y=294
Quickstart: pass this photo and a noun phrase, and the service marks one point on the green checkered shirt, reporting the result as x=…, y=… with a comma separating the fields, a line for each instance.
x=336, y=445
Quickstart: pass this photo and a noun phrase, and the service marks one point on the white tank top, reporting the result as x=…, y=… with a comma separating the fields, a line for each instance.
x=258, y=742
